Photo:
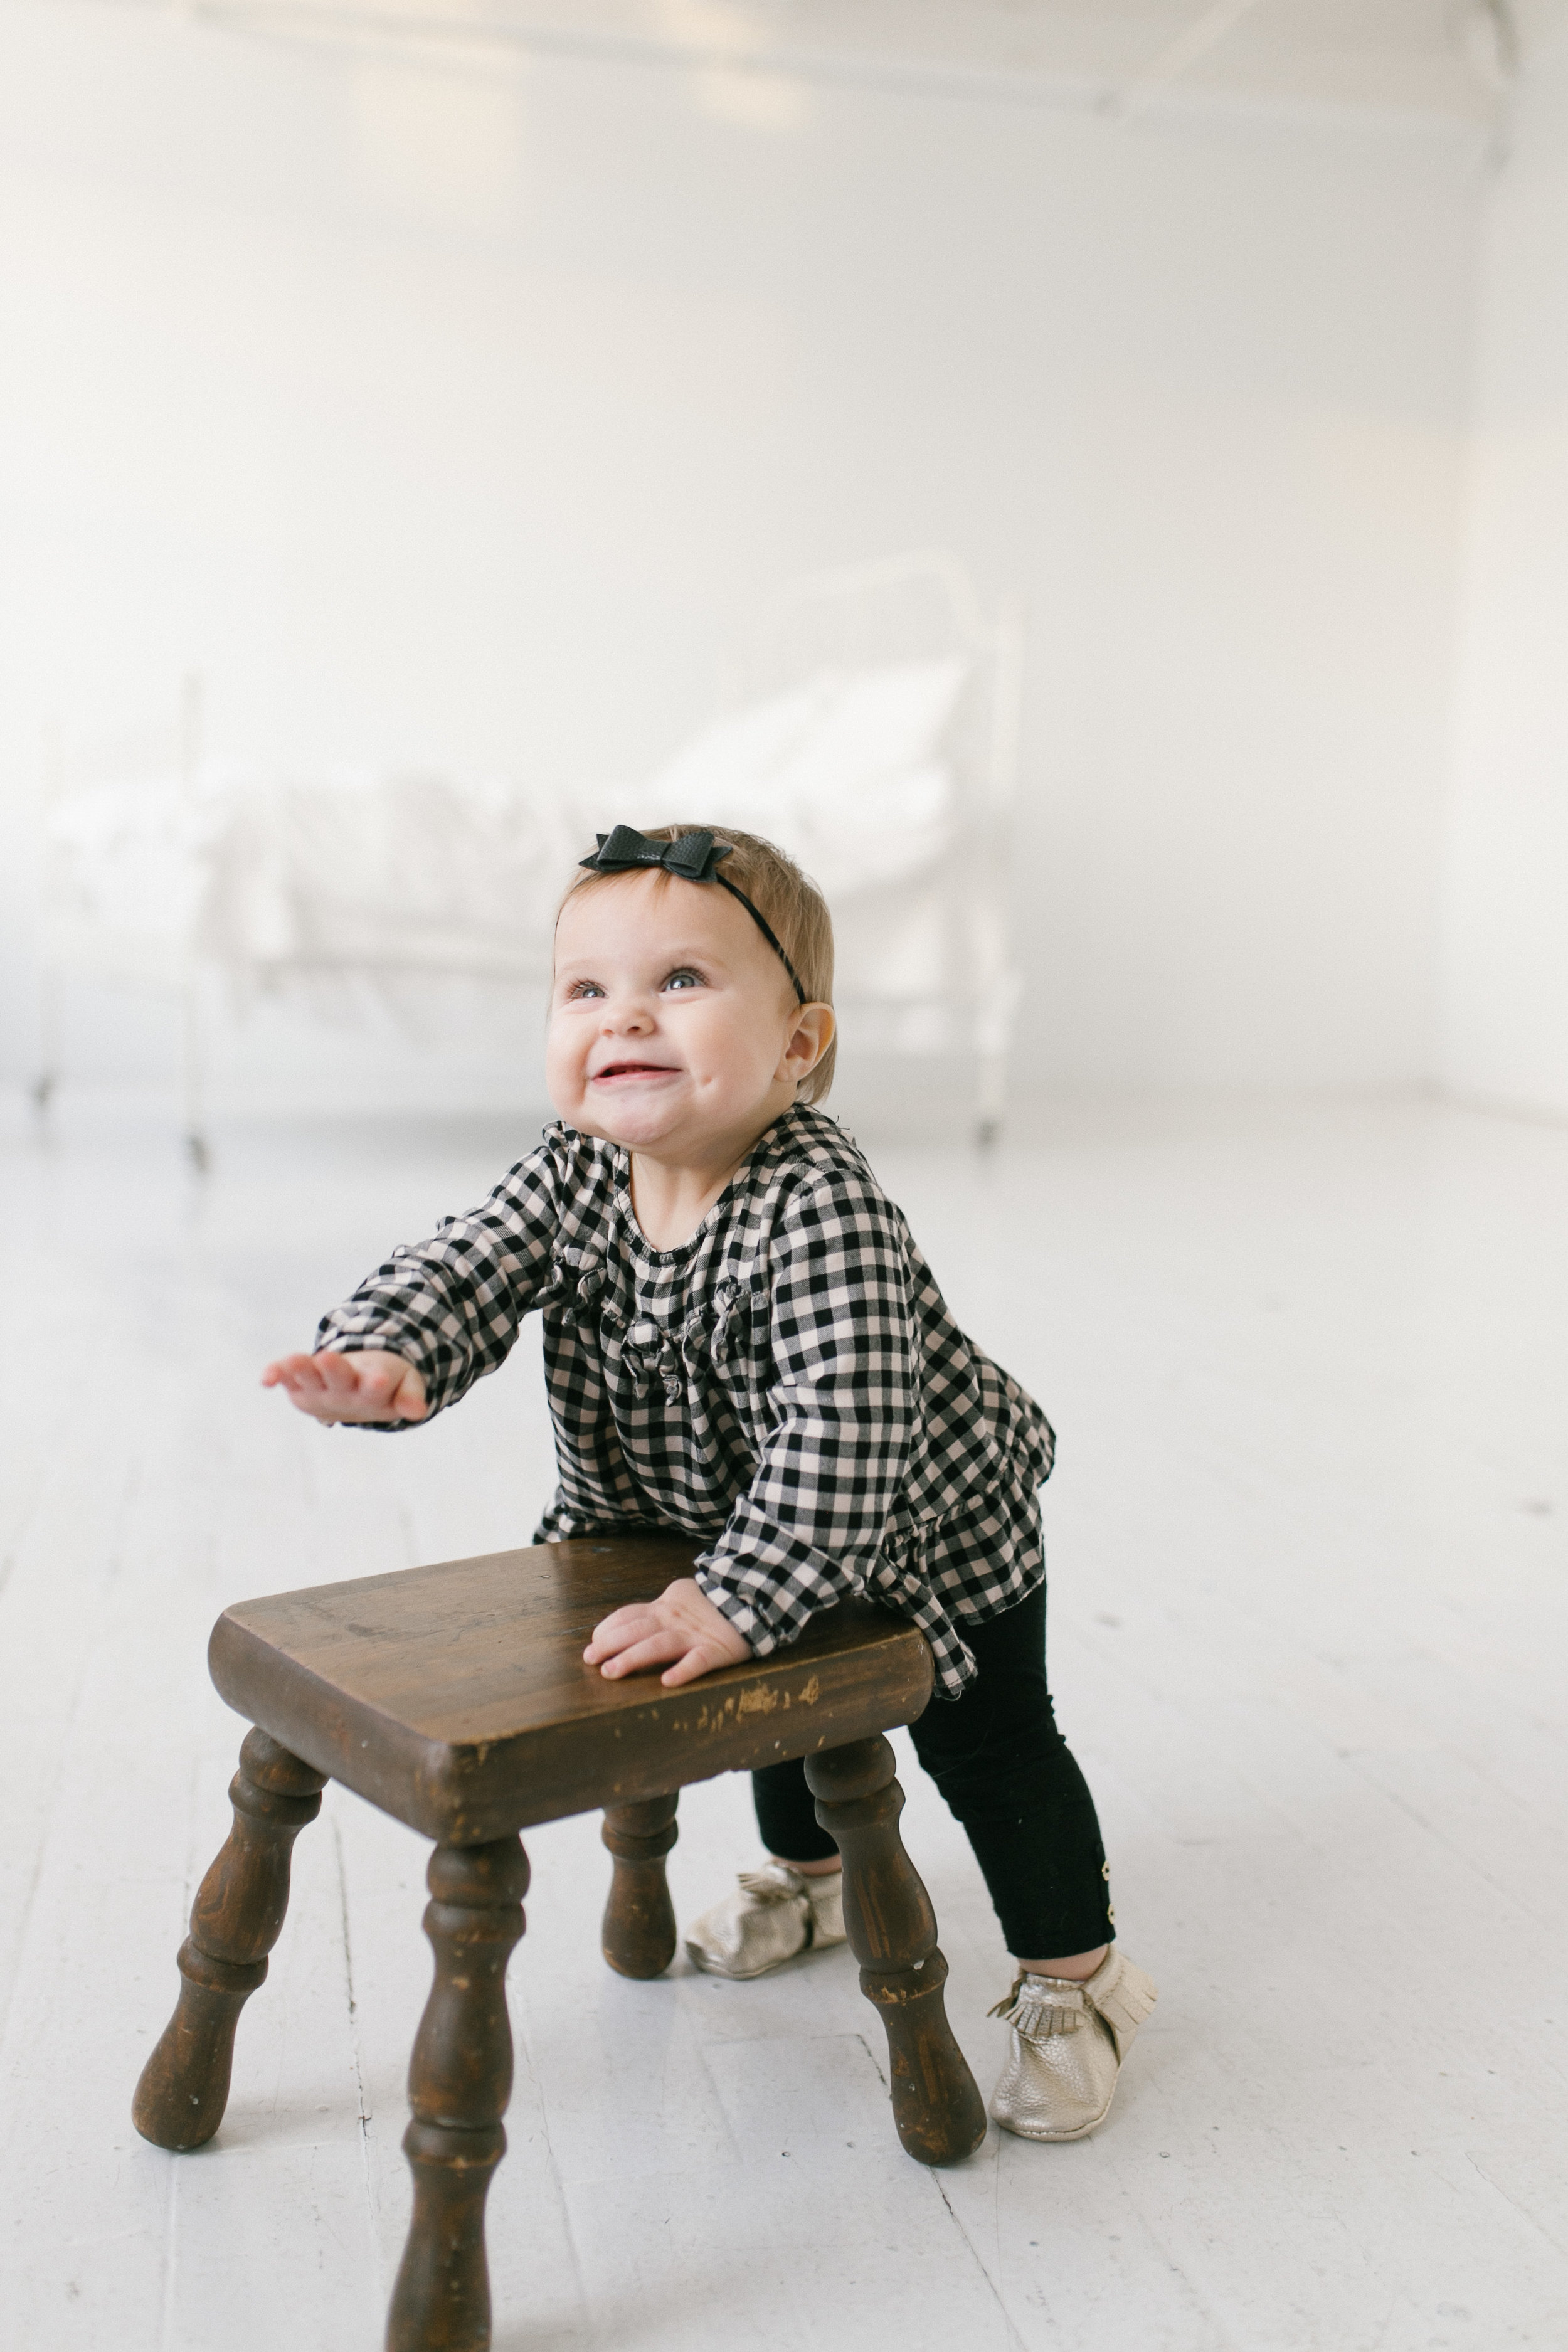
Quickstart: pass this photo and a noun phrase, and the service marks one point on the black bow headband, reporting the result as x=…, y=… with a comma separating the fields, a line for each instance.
x=691, y=858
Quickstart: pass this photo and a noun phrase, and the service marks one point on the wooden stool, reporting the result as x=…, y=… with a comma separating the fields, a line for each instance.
x=456, y=1699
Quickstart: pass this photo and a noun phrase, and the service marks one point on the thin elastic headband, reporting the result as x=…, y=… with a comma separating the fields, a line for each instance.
x=691, y=858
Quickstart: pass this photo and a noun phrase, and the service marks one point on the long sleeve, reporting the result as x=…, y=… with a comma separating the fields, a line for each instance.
x=787, y=1389
x=843, y=1403
x=452, y=1305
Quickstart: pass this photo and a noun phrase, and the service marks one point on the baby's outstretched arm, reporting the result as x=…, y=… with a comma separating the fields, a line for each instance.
x=681, y=1631
x=367, y=1385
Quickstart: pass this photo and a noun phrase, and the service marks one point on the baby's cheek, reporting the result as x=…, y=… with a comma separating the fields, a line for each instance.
x=564, y=1062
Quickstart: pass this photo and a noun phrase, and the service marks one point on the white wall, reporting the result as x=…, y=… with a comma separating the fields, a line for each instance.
x=463, y=417
x=1506, y=1028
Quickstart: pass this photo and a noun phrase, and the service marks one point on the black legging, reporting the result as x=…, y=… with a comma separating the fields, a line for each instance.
x=1009, y=1777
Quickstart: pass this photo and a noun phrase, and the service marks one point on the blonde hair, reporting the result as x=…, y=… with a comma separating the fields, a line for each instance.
x=788, y=901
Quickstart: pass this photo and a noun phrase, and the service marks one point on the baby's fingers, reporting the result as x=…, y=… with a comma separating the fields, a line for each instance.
x=633, y=1624
x=642, y=1656
x=370, y=1384
x=699, y=1660
x=304, y=1388
x=378, y=1386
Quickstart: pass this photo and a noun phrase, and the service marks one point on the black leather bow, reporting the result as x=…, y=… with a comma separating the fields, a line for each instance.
x=694, y=856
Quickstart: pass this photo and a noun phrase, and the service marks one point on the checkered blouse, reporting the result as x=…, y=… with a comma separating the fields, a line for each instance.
x=787, y=1387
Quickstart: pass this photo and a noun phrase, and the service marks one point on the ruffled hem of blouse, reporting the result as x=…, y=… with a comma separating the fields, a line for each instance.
x=1012, y=1502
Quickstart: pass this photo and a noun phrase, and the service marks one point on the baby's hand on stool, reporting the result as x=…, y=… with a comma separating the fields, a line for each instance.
x=368, y=1385
x=681, y=1625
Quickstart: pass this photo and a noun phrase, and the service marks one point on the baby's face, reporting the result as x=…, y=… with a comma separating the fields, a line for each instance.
x=673, y=1026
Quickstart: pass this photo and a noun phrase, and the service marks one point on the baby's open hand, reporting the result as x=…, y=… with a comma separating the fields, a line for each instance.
x=681, y=1626
x=368, y=1385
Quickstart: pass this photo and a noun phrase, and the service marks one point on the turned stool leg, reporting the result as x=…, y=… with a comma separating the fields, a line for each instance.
x=637, y=1938
x=937, y=2110
x=459, y=2080
x=236, y=1919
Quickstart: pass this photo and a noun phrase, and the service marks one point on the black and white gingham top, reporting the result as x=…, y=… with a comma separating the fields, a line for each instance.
x=787, y=1386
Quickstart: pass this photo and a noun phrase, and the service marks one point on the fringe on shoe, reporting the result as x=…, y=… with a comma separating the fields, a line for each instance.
x=1040, y=2006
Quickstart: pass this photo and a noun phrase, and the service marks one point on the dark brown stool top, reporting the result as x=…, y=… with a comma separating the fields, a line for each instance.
x=456, y=1698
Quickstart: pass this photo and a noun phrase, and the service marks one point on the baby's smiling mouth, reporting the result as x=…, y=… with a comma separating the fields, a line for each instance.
x=634, y=1070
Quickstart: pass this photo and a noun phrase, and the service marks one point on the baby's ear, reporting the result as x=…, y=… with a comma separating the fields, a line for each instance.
x=812, y=1035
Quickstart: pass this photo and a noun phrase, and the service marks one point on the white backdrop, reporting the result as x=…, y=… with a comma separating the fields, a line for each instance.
x=1506, y=1034
x=460, y=419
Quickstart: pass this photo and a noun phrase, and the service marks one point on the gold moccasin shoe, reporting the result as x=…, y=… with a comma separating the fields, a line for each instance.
x=1068, y=2045
x=773, y=1914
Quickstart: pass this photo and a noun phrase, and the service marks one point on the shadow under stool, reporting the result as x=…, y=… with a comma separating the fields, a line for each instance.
x=456, y=1699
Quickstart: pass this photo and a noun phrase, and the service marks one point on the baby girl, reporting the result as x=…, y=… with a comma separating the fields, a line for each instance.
x=745, y=1346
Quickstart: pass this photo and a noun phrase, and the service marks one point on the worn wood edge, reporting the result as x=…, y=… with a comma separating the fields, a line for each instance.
x=300, y=1709
x=724, y=1737
x=461, y=1792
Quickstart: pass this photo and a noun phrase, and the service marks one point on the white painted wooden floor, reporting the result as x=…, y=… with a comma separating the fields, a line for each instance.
x=1310, y=1568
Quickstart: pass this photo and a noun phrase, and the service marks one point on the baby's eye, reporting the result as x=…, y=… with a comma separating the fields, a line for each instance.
x=686, y=978
x=582, y=988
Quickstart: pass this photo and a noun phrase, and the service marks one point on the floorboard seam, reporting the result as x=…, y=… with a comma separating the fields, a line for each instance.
x=367, y=2169
x=974, y=2255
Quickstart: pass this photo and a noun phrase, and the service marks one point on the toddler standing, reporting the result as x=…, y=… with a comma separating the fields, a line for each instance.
x=745, y=1346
